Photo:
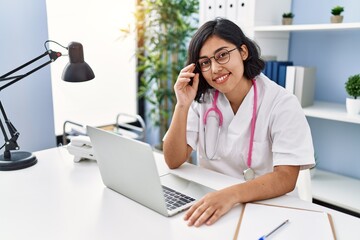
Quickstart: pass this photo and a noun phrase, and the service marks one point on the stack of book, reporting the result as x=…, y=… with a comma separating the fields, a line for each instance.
x=298, y=80
x=301, y=82
x=276, y=71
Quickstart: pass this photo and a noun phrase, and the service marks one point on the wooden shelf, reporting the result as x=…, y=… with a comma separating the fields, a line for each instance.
x=337, y=190
x=308, y=27
x=330, y=111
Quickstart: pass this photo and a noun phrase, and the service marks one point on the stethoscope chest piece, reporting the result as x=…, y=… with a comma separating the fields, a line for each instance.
x=249, y=174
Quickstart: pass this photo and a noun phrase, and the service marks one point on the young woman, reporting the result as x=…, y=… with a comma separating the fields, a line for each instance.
x=241, y=123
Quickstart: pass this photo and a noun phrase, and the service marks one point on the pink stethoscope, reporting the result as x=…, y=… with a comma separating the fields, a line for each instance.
x=249, y=173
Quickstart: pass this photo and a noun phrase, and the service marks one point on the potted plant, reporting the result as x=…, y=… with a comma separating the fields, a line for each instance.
x=352, y=87
x=336, y=14
x=287, y=18
x=164, y=29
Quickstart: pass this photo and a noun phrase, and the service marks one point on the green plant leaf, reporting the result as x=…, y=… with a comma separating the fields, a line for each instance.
x=352, y=86
x=337, y=10
x=164, y=28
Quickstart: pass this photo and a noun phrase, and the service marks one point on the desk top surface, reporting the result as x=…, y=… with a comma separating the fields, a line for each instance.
x=60, y=199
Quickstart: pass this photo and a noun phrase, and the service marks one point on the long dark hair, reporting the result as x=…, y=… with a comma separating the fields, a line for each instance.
x=230, y=32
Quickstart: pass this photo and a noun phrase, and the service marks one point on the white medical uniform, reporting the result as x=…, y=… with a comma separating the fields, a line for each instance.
x=282, y=134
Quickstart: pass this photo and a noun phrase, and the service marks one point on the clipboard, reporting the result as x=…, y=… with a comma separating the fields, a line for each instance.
x=258, y=219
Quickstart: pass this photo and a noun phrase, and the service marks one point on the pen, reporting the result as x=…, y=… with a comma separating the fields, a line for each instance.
x=267, y=235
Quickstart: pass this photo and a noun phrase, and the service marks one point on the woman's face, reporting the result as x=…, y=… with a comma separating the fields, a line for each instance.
x=227, y=76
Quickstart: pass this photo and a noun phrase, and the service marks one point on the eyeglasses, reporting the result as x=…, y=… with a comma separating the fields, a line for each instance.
x=221, y=57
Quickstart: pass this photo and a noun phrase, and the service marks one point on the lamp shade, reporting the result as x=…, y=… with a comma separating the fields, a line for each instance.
x=77, y=70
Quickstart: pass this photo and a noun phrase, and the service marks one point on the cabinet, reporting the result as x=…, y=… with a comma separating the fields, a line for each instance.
x=249, y=14
x=325, y=110
x=328, y=187
x=261, y=21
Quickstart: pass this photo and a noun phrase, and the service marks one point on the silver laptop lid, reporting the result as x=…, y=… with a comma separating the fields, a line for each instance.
x=128, y=167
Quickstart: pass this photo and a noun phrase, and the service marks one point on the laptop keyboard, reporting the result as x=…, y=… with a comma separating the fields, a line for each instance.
x=175, y=199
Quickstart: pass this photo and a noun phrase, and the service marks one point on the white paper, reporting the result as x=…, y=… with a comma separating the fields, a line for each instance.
x=259, y=220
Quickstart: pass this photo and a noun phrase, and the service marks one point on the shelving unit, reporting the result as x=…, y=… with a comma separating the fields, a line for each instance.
x=327, y=187
x=347, y=194
x=274, y=39
x=330, y=111
x=335, y=189
x=260, y=21
x=324, y=110
x=307, y=27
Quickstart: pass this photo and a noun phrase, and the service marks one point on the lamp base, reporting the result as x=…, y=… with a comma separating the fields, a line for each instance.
x=18, y=160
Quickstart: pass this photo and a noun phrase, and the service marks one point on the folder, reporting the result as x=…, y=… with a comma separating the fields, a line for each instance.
x=290, y=78
x=202, y=12
x=220, y=8
x=276, y=70
x=268, y=69
x=305, y=85
x=209, y=10
x=258, y=219
x=243, y=13
x=231, y=10
x=282, y=75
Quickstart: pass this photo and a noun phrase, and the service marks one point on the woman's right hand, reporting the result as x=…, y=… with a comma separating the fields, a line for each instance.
x=185, y=93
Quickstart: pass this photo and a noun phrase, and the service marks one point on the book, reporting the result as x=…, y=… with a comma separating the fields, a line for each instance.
x=259, y=219
x=276, y=70
x=282, y=75
x=304, y=88
x=268, y=68
x=290, y=79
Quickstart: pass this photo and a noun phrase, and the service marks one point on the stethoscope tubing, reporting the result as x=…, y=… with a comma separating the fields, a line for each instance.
x=215, y=109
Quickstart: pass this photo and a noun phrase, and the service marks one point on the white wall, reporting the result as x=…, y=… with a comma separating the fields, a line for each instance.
x=28, y=103
x=96, y=24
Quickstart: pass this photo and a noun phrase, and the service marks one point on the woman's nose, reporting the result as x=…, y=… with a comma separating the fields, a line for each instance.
x=215, y=66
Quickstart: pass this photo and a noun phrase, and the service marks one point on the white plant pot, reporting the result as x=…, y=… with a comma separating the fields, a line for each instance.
x=353, y=106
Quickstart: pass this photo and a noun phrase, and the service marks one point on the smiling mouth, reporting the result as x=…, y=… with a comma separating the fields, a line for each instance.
x=221, y=79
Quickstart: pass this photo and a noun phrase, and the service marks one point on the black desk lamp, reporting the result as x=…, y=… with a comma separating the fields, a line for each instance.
x=75, y=71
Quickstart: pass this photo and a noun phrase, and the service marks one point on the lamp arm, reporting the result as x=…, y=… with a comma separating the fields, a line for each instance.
x=52, y=55
x=11, y=143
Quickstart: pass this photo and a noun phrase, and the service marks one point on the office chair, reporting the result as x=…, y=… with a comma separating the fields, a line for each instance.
x=132, y=126
x=303, y=185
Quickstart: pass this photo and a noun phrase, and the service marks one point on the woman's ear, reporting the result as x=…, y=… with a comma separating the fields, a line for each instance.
x=244, y=52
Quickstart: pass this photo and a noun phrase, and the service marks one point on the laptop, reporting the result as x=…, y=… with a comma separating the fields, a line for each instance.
x=128, y=167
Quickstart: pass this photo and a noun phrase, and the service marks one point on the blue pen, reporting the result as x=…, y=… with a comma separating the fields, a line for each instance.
x=267, y=235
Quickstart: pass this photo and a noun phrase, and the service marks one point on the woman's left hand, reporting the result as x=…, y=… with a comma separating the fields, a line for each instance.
x=215, y=204
x=210, y=208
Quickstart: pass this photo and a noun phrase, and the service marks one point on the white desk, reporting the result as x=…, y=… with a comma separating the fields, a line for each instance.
x=60, y=199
